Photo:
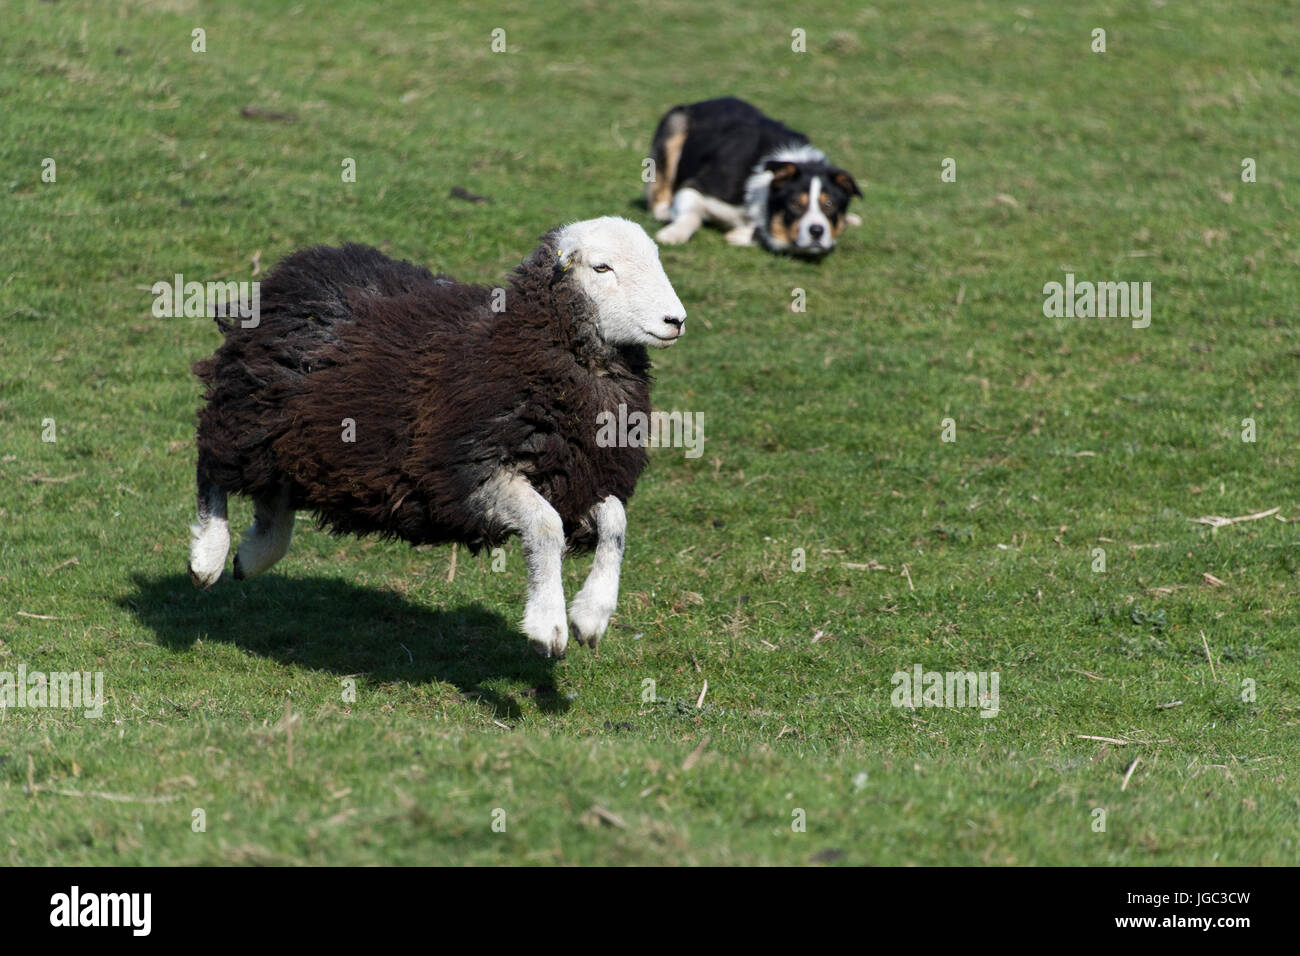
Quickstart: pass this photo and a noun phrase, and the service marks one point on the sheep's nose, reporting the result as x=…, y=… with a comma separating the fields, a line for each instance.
x=675, y=323
x=816, y=231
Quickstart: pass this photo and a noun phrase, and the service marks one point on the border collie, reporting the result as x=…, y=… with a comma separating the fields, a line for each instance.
x=724, y=161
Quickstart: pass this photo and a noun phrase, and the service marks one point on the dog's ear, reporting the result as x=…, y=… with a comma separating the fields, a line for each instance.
x=845, y=182
x=781, y=170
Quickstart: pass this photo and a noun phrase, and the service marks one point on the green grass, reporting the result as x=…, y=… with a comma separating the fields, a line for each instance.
x=822, y=433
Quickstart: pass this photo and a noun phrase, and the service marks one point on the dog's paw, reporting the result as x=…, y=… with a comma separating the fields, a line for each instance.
x=663, y=211
x=544, y=626
x=589, y=617
x=673, y=235
x=741, y=236
x=853, y=219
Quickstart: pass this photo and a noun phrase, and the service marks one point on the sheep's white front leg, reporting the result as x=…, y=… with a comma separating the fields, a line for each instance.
x=516, y=503
x=211, y=535
x=589, y=613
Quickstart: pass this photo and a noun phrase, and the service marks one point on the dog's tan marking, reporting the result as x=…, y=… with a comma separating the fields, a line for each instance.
x=776, y=228
x=784, y=172
x=660, y=190
x=846, y=182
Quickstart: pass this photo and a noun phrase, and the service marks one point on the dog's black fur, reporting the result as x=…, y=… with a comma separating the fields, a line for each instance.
x=725, y=139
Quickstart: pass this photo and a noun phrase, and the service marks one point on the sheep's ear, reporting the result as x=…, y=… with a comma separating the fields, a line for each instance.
x=565, y=259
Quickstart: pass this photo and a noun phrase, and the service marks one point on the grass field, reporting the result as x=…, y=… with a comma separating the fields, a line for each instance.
x=823, y=432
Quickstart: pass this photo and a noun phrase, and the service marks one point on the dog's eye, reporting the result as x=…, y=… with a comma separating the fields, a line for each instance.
x=826, y=203
x=601, y=268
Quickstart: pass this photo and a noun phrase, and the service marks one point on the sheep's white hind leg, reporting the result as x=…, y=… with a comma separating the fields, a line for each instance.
x=589, y=613
x=210, y=535
x=267, y=541
x=512, y=501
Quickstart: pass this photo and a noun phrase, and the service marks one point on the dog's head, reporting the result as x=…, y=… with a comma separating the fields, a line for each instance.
x=805, y=209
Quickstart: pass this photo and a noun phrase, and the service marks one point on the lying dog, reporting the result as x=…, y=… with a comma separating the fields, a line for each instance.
x=724, y=161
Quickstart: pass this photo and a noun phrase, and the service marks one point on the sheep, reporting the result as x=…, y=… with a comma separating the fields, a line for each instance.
x=391, y=401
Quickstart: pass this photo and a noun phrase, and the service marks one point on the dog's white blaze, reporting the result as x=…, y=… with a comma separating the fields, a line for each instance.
x=814, y=217
x=635, y=302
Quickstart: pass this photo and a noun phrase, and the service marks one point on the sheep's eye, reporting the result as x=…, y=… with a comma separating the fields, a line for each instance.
x=601, y=268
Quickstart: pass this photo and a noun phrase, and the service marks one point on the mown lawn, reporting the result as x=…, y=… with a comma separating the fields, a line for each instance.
x=823, y=432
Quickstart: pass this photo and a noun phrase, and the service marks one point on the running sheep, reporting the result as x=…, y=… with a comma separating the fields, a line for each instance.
x=391, y=401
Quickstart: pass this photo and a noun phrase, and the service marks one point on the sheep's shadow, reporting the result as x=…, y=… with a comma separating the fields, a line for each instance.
x=368, y=633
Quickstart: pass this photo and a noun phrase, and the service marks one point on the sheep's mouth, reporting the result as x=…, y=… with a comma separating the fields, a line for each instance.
x=666, y=339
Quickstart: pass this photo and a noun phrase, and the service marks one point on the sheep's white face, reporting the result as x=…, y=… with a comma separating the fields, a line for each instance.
x=617, y=265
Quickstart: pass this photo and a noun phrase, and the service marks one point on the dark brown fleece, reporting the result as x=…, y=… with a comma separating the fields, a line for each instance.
x=443, y=392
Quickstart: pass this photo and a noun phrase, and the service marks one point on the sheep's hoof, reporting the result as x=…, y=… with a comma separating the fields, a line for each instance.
x=554, y=648
x=585, y=640
x=585, y=628
x=589, y=616
x=239, y=571
x=547, y=632
x=201, y=582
